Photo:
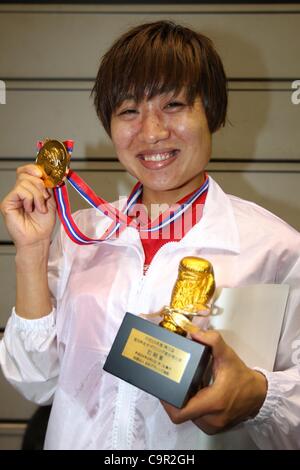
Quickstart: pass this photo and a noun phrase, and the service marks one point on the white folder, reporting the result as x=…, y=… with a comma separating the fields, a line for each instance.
x=250, y=320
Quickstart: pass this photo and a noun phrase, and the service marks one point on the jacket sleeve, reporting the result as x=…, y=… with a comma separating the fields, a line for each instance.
x=277, y=425
x=28, y=352
x=29, y=358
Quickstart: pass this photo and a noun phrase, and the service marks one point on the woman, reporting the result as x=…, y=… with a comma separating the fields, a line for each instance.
x=160, y=93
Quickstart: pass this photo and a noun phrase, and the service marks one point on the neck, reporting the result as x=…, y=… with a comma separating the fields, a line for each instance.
x=157, y=202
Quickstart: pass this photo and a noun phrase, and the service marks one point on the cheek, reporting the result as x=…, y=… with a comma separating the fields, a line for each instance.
x=118, y=139
x=187, y=128
x=122, y=136
x=196, y=137
x=189, y=132
x=197, y=133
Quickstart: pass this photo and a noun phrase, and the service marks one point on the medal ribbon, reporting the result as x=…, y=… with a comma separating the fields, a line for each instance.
x=120, y=219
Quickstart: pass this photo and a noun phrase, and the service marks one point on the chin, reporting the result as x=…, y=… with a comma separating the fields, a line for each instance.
x=159, y=186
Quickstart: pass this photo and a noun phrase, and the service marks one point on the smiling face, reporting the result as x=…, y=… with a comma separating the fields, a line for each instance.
x=164, y=142
x=160, y=92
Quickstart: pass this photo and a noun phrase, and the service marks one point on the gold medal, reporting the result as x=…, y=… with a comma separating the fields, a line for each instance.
x=53, y=159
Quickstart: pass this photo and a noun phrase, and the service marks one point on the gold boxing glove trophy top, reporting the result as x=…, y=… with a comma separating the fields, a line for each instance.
x=191, y=295
x=159, y=359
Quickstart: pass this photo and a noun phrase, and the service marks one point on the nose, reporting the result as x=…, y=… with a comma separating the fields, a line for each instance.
x=153, y=128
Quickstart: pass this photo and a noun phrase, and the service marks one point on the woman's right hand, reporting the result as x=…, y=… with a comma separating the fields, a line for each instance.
x=29, y=210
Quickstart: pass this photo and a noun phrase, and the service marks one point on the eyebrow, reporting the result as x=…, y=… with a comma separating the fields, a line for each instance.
x=131, y=97
x=128, y=97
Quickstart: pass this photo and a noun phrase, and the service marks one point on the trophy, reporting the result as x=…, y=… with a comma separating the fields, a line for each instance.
x=160, y=359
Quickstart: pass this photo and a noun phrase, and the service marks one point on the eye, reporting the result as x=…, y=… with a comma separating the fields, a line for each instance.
x=127, y=112
x=175, y=105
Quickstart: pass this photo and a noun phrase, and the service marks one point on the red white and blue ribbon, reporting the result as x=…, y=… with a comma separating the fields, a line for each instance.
x=120, y=219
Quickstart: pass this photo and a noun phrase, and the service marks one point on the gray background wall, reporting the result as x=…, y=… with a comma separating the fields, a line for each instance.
x=48, y=58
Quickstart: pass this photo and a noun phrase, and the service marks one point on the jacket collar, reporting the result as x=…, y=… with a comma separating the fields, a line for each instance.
x=217, y=229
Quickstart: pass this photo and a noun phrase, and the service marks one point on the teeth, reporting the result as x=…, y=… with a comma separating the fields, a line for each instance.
x=159, y=157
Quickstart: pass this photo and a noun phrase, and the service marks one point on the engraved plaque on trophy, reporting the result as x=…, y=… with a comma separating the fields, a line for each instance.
x=160, y=359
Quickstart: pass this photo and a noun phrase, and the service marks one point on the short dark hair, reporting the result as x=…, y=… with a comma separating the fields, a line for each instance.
x=157, y=58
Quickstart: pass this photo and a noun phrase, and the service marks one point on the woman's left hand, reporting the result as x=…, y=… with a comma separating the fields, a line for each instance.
x=236, y=394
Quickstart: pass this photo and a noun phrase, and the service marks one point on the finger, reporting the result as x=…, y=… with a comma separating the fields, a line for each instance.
x=31, y=169
x=209, y=423
x=39, y=196
x=213, y=339
x=37, y=182
x=50, y=201
x=203, y=403
x=24, y=199
x=36, y=196
x=10, y=202
x=19, y=198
